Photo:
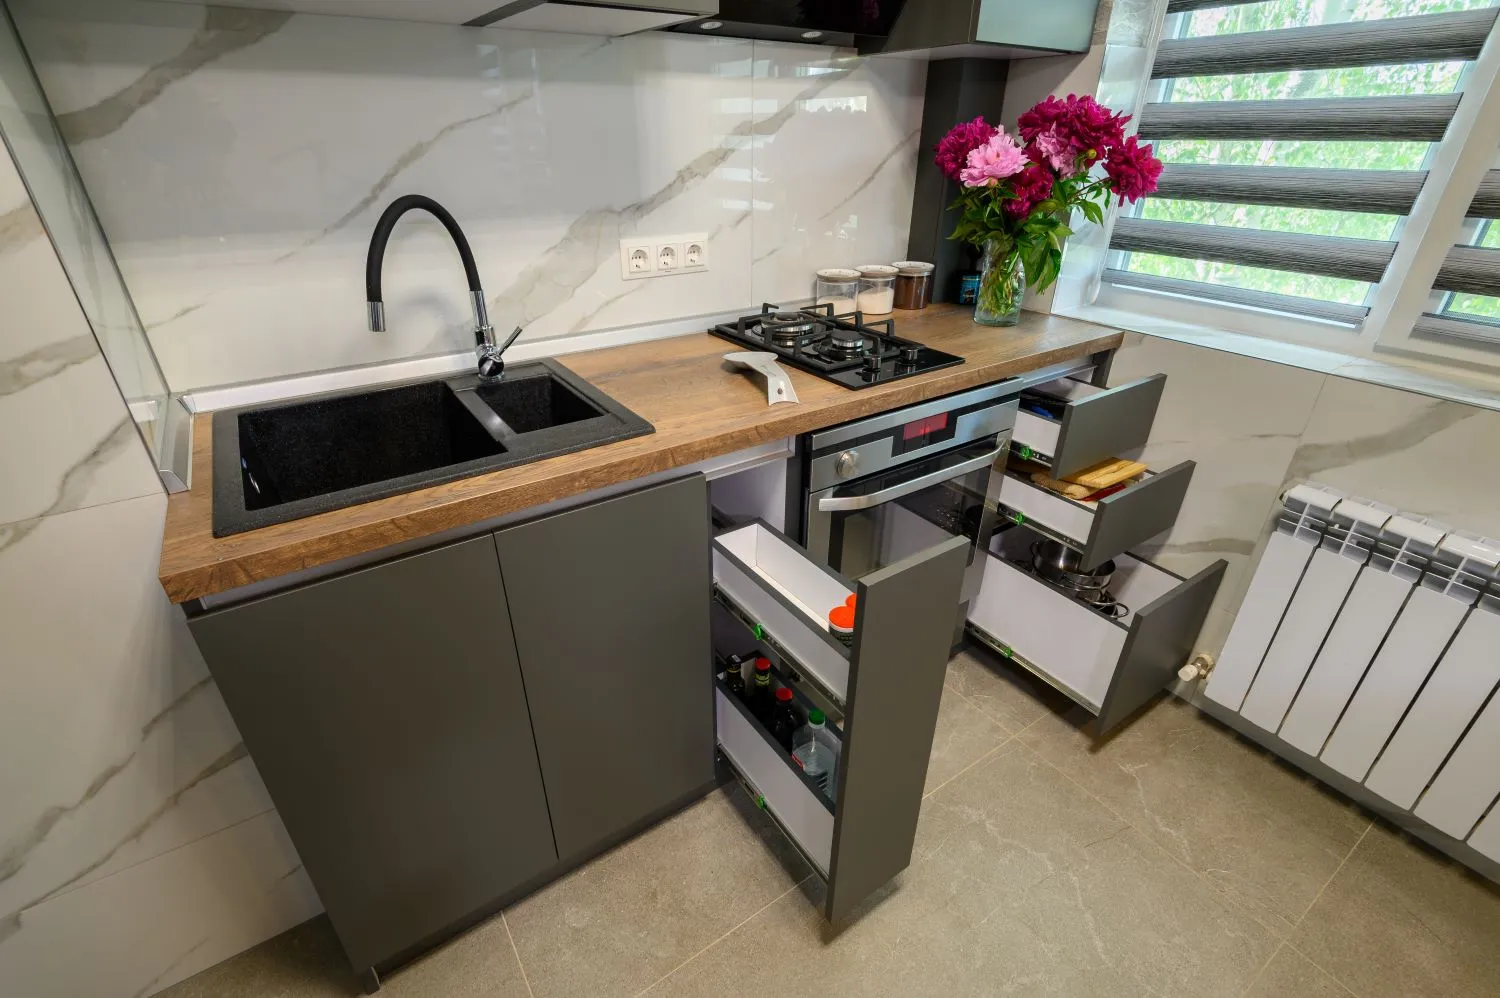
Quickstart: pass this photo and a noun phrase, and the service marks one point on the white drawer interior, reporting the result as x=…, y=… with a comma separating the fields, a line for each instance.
x=776, y=583
x=1077, y=646
x=806, y=818
x=1072, y=519
x=1036, y=432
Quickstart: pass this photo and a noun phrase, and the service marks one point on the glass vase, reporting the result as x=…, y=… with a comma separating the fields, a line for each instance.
x=1002, y=285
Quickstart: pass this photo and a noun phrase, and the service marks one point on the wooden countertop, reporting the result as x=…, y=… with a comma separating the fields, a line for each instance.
x=700, y=408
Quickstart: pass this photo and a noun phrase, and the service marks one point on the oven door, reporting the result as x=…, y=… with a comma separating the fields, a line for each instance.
x=860, y=526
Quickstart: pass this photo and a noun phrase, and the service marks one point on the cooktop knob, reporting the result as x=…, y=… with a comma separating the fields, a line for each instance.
x=872, y=362
x=844, y=466
x=911, y=354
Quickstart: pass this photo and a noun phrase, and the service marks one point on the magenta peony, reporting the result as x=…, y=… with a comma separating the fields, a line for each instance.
x=1033, y=185
x=1132, y=170
x=1071, y=128
x=953, y=151
x=993, y=162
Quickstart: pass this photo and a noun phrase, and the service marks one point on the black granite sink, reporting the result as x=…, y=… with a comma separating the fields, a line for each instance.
x=284, y=461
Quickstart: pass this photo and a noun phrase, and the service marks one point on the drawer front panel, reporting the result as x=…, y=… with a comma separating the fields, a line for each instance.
x=1096, y=423
x=1111, y=526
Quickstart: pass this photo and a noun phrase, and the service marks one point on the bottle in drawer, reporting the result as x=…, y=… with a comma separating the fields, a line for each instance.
x=762, y=699
x=733, y=678
x=817, y=752
x=786, y=719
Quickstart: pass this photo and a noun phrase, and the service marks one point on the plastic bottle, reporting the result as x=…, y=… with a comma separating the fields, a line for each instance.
x=813, y=750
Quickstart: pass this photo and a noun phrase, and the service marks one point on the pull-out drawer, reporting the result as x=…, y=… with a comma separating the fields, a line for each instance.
x=1100, y=530
x=1109, y=664
x=1084, y=424
x=887, y=685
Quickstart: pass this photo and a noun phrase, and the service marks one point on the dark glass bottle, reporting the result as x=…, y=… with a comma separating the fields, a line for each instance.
x=732, y=676
x=786, y=719
x=761, y=698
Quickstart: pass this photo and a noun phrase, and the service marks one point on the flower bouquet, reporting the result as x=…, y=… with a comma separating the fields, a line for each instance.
x=1016, y=199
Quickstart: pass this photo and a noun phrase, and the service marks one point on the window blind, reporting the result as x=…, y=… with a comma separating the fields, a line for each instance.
x=1294, y=145
x=1465, y=304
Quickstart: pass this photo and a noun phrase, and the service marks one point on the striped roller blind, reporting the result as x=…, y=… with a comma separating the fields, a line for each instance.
x=1466, y=295
x=1295, y=135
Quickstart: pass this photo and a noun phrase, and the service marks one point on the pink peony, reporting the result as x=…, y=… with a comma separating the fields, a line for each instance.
x=953, y=151
x=1062, y=131
x=1132, y=170
x=1033, y=185
x=992, y=162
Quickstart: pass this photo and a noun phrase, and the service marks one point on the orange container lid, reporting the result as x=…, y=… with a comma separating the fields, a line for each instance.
x=852, y=600
x=842, y=617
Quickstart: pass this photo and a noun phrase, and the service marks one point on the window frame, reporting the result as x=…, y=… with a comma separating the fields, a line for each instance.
x=1456, y=166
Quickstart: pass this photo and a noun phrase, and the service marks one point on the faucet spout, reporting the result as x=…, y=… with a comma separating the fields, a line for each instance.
x=484, y=333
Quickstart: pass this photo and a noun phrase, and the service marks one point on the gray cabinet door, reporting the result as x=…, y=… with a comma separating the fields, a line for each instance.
x=610, y=605
x=385, y=711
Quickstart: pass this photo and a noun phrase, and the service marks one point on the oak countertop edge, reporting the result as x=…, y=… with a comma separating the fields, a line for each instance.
x=699, y=407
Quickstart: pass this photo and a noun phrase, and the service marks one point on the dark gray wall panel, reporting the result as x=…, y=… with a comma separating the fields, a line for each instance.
x=900, y=657
x=385, y=712
x=610, y=607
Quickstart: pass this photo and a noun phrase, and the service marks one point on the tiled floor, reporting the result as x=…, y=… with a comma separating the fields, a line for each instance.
x=1175, y=860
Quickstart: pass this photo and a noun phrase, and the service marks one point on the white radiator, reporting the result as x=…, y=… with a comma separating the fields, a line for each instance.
x=1371, y=641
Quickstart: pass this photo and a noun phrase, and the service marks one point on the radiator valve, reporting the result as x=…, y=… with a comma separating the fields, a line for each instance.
x=1199, y=668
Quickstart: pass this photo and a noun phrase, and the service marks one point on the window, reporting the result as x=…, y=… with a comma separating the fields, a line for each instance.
x=1297, y=137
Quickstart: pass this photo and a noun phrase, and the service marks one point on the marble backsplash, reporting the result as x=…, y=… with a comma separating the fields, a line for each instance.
x=237, y=160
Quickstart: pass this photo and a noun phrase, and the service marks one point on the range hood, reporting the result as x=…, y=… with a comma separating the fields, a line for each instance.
x=849, y=23
x=594, y=17
x=989, y=29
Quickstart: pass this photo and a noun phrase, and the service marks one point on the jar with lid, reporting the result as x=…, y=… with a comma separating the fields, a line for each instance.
x=877, y=289
x=913, y=284
x=837, y=287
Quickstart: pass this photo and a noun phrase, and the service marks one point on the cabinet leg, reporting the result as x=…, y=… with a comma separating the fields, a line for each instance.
x=369, y=980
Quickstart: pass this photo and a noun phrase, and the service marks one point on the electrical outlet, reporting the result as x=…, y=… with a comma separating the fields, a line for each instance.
x=663, y=256
x=636, y=260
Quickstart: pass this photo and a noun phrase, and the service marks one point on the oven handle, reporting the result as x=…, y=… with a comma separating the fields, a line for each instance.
x=835, y=504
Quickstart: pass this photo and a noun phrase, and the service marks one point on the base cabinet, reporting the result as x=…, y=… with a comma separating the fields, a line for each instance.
x=386, y=714
x=610, y=608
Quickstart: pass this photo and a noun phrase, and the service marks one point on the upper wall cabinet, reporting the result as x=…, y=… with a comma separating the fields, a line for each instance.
x=594, y=17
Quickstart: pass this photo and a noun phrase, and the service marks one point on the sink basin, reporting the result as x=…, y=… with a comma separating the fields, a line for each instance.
x=287, y=460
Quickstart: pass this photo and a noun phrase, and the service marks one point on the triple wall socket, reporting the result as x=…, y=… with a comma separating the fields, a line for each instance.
x=662, y=256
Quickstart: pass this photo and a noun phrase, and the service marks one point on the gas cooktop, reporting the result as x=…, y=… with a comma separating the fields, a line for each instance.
x=841, y=348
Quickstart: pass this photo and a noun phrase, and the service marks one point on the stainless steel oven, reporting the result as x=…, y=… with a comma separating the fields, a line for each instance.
x=883, y=488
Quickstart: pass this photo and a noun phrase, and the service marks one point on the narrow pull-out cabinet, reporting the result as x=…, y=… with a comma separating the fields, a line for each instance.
x=886, y=685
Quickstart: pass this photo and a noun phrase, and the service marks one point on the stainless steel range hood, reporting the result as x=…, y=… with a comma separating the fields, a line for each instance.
x=595, y=17
x=989, y=29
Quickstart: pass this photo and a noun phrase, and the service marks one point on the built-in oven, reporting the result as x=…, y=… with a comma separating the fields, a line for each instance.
x=881, y=489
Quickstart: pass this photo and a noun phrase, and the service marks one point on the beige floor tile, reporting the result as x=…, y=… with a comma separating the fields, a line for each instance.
x=618, y=924
x=1010, y=696
x=1292, y=975
x=481, y=963
x=1399, y=920
x=302, y=962
x=1020, y=884
x=1265, y=835
x=964, y=735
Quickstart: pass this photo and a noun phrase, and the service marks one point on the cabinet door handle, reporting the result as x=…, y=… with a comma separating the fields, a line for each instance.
x=844, y=504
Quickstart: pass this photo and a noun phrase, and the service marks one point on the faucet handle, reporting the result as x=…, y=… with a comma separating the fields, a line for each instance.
x=491, y=364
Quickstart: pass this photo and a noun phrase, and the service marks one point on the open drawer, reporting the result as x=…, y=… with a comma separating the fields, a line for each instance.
x=1084, y=424
x=1110, y=665
x=886, y=685
x=1099, y=530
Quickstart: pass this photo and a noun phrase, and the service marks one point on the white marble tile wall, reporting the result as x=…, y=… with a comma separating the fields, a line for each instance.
x=238, y=160
x=137, y=843
x=1256, y=427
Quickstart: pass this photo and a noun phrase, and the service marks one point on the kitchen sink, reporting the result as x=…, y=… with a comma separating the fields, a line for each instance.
x=284, y=461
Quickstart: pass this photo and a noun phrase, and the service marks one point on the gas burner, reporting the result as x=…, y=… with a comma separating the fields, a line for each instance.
x=844, y=343
x=845, y=348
